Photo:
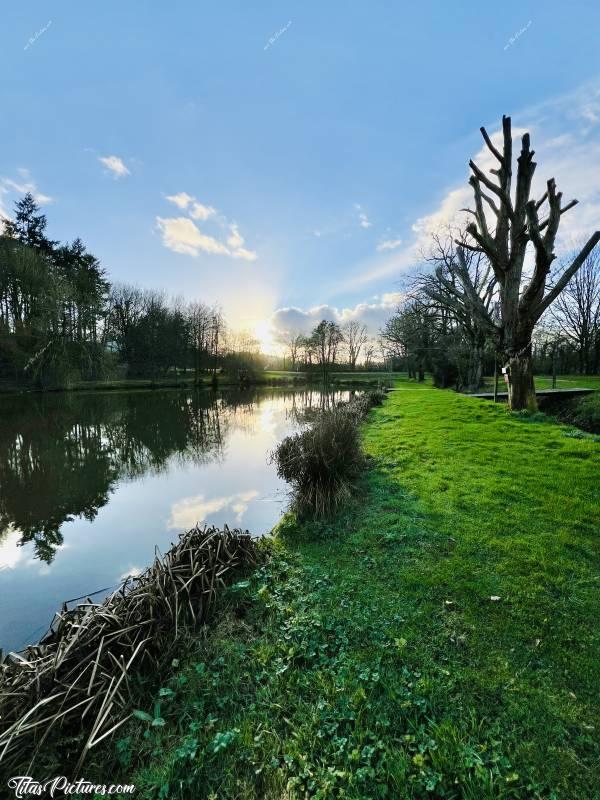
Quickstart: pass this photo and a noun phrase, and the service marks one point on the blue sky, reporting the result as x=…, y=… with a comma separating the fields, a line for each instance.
x=306, y=147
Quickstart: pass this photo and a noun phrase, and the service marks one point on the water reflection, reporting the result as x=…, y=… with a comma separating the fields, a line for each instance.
x=60, y=457
x=90, y=484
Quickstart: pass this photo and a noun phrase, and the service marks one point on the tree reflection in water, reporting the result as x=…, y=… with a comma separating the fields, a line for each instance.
x=62, y=455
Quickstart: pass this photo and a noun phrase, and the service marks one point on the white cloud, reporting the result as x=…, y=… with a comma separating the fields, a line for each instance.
x=246, y=255
x=181, y=235
x=115, y=165
x=192, y=510
x=363, y=219
x=195, y=209
x=235, y=239
x=566, y=137
x=181, y=200
x=389, y=244
x=201, y=212
x=289, y=321
x=11, y=190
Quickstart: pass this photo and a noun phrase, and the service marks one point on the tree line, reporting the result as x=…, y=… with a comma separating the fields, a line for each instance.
x=329, y=346
x=62, y=320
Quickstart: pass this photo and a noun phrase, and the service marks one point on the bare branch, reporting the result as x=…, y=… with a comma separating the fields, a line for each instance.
x=568, y=273
x=491, y=147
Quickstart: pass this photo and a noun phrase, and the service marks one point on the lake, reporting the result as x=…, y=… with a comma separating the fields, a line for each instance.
x=92, y=483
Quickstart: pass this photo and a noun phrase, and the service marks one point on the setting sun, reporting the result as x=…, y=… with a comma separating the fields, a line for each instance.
x=264, y=333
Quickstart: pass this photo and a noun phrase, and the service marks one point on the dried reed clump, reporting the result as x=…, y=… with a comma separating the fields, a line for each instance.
x=322, y=462
x=78, y=677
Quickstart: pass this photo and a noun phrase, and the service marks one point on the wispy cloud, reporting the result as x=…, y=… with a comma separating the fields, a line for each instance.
x=201, y=212
x=182, y=234
x=235, y=239
x=389, y=244
x=12, y=189
x=566, y=135
x=244, y=254
x=363, y=219
x=114, y=165
x=181, y=200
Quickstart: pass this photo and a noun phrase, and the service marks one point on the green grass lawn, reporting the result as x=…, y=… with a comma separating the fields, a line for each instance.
x=439, y=639
x=545, y=382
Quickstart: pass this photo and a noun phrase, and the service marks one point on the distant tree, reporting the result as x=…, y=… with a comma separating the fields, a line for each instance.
x=307, y=350
x=127, y=309
x=409, y=336
x=28, y=225
x=294, y=345
x=577, y=312
x=216, y=337
x=355, y=338
x=326, y=339
x=369, y=350
x=438, y=291
x=199, y=320
x=60, y=319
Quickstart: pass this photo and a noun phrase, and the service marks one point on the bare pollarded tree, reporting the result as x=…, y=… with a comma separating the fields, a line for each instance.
x=502, y=234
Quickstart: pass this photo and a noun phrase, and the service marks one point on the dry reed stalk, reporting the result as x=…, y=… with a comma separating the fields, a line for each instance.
x=78, y=674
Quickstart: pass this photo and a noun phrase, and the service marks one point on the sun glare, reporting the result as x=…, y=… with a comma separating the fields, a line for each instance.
x=263, y=330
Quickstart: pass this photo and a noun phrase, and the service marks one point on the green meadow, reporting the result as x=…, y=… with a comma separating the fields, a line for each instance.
x=437, y=639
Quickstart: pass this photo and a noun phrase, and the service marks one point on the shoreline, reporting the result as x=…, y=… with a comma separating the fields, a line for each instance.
x=277, y=381
x=386, y=652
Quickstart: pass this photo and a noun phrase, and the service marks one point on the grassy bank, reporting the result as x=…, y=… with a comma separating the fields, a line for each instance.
x=545, y=382
x=439, y=639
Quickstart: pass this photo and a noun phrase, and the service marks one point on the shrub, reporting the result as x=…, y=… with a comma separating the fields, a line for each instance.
x=321, y=462
x=361, y=404
x=585, y=413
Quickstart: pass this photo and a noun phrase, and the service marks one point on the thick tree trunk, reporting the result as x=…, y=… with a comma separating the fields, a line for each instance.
x=521, y=389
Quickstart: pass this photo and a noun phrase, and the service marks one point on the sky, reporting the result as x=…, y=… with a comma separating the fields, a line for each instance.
x=286, y=160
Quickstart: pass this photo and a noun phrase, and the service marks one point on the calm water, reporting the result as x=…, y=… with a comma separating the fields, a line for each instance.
x=90, y=484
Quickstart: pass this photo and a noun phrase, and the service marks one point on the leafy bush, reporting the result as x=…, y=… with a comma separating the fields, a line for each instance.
x=583, y=412
x=586, y=413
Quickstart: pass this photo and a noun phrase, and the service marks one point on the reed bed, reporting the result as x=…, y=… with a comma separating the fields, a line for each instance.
x=78, y=678
x=322, y=462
